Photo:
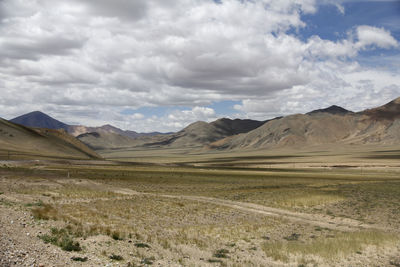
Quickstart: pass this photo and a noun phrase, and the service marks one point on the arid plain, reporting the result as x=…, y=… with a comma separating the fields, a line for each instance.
x=321, y=206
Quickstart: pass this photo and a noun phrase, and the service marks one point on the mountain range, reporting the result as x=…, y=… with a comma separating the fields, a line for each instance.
x=379, y=125
x=38, y=119
x=334, y=124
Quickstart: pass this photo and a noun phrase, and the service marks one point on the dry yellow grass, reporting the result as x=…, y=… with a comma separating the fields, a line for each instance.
x=336, y=246
x=97, y=207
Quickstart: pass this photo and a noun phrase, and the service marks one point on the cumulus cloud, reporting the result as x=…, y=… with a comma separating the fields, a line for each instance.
x=373, y=36
x=181, y=118
x=70, y=57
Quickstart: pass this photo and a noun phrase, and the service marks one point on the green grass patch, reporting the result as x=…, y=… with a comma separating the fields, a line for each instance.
x=62, y=238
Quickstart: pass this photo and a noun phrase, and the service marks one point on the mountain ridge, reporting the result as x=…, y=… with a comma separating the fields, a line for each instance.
x=377, y=125
x=333, y=124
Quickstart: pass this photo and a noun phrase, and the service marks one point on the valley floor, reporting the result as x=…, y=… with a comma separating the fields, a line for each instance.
x=304, y=209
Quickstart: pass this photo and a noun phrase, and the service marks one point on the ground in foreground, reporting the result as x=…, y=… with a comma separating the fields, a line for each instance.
x=258, y=210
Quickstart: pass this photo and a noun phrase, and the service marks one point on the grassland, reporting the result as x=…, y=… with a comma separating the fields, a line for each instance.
x=319, y=208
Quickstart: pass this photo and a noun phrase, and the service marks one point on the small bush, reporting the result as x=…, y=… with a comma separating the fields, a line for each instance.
x=48, y=239
x=68, y=244
x=292, y=237
x=214, y=261
x=61, y=238
x=141, y=245
x=35, y=204
x=221, y=253
x=116, y=235
x=116, y=257
x=148, y=261
x=79, y=259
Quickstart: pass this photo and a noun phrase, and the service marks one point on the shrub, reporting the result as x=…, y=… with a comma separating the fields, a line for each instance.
x=116, y=257
x=214, y=261
x=116, y=235
x=148, y=261
x=79, y=259
x=292, y=237
x=61, y=238
x=221, y=253
x=68, y=244
x=141, y=245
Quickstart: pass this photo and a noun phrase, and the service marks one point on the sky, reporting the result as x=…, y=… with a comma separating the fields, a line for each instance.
x=159, y=65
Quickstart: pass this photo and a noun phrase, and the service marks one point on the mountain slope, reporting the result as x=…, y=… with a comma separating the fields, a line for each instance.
x=109, y=132
x=201, y=133
x=389, y=111
x=380, y=125
x=40, y=120
x=108, y=140
x=23, y=142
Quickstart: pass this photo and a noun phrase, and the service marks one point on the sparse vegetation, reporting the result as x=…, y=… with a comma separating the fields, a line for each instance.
x=80, y=259
x=177, y=222
x=116, y=257
x=44, y=212
x=328, y=248
x=116, y=235
x=148, y=261
x=221, y=253
x=142, y=245
x=62, y=238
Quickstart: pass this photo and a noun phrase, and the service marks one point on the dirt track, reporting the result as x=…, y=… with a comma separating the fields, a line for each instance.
x=335, y=223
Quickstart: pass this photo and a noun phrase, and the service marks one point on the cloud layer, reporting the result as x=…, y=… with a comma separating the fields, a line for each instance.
x=86, y=61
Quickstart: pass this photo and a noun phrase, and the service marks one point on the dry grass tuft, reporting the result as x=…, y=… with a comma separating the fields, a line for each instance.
x=331, y=247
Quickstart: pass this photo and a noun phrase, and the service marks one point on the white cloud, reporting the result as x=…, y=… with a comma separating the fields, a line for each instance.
x=71, y=57
x=137, y=116
x=373, y=36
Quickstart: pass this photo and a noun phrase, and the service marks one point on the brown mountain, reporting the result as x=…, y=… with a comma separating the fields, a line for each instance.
x=390, y=111
x=380, y=125
x=331, y=110
x=18, y=142
x=201, y=133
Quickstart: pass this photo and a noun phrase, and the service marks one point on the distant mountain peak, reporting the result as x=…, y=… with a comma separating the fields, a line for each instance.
x=336, y=110
x=40, y=120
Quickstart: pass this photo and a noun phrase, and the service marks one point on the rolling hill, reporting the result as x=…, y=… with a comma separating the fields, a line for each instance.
x=20, y=142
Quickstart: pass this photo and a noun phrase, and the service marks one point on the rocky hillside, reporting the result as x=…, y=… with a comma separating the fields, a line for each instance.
x=202, y=133
x=333, y=125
